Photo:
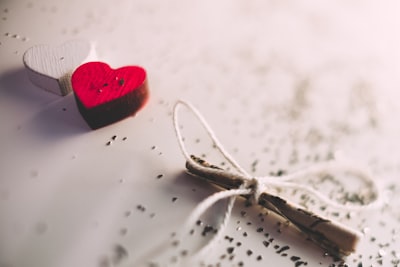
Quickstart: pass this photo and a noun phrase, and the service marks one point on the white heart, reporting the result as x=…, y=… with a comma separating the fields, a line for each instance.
x=51, y=67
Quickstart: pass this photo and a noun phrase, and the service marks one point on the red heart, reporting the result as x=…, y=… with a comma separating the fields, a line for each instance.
x=105, y=95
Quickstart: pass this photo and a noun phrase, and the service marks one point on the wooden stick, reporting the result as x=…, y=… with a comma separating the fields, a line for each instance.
x=336, y=238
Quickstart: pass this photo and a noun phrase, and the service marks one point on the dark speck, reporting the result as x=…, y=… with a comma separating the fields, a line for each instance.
x=123, y=231
x=230, y=250
x=174, y=199
x=41, y=228
x=160, y=176
x=114, y=137
x=294, y=258
x=141, y=208
x=184, y=252
x=259, y=257
x=282, y=249
x=121, y=82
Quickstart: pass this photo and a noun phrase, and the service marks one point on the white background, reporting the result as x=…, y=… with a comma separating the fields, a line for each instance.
x=284, y=85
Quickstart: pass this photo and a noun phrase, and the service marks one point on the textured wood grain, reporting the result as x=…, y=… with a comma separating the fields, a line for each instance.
x=105, y=95
x=51, y=67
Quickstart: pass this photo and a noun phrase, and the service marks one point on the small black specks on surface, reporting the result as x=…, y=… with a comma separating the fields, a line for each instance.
x=184, y=253
x=230, y=239
x=294, y=258
x=282, y=249
x=104, y=262
x=174, y=199
x=141, y=208
x=123, y=231
x=34, y=173
x=300, y=263
x=207, y=229
x=119, y=254
x=160, y=176
x=41, y=228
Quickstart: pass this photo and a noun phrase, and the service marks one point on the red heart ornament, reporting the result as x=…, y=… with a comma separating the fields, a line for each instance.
x=105, y=95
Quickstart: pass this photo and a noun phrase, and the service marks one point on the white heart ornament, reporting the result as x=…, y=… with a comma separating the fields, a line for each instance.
x=51, y=67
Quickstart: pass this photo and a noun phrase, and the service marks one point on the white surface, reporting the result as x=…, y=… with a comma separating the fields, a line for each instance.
x=282, y=84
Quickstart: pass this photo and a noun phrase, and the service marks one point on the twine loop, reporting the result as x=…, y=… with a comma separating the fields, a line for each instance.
x=255, y=186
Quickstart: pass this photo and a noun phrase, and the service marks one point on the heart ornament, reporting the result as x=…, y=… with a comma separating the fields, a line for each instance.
x=51, y=67
x=105, y=95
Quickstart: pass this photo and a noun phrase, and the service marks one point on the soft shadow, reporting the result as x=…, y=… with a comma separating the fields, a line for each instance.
x=15, y=84
x=184, y=182
x=58, y=120
x=59, y=116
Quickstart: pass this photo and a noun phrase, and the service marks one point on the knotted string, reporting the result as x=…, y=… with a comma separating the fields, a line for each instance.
x=260, y=184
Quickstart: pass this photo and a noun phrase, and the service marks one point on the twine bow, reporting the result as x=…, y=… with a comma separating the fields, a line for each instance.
x=244, y=184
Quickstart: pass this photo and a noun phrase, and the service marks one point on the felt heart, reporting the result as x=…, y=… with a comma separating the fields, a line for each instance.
x=105, y=95
x=51, y=67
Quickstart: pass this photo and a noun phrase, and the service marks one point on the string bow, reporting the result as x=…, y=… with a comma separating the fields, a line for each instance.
x=333, y=236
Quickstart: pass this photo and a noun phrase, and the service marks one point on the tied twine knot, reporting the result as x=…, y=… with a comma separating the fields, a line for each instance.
x=256, y=186
x=256, y=189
